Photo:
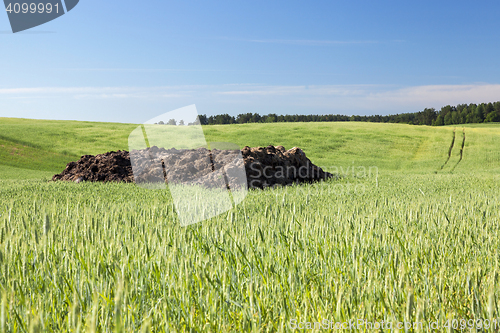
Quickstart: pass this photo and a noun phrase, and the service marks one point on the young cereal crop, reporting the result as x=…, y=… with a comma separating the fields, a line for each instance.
x=111, y=257
x=407, y=243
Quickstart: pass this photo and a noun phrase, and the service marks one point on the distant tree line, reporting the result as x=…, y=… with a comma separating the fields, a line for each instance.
x=173, y=122
x=448, y=115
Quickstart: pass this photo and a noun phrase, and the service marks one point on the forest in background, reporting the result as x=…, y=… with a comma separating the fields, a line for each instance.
x=448, y=115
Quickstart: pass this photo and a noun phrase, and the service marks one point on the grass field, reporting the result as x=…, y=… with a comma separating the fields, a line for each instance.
x=44, y=145
x=413, y=242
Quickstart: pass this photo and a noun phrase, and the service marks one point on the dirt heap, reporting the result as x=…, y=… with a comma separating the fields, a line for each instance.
x=112, y=166
x=272, y=166
x=264, y=167
x=210, y=168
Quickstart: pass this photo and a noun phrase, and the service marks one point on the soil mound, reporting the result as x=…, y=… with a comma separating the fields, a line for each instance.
x=209, y=168
x=112, y=166
x=264, y=167
x=272, y=166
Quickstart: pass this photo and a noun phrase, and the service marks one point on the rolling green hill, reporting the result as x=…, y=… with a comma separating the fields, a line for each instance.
x=416, y=242
x=38, y=148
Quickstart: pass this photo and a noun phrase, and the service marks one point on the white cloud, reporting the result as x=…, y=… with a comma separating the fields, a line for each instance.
x=439, y=94
x=365, y=99
x=136, y=103
x=92, y=92
x=325, y=90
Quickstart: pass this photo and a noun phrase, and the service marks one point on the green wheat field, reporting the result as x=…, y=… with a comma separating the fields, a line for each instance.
x=416, y=239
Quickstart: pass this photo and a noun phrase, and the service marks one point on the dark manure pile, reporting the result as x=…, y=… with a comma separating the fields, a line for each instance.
x=263, y=167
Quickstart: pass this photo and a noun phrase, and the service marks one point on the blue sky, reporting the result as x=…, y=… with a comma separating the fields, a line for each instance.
x=129, y=61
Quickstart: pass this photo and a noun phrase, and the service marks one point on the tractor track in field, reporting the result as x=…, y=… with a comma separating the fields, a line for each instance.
x=461, y=149
x=449, y=150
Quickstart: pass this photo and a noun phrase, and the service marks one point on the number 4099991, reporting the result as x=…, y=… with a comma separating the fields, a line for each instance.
x=32, y=8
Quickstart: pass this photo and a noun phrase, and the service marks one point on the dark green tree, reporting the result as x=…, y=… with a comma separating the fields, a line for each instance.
x=439, y=121
x=202, y=119
x=455, y=117
x=479, y=115
x=447, y=119
x=488, y=108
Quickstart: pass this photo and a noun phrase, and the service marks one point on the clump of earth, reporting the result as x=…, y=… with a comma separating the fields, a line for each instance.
x=261, y=167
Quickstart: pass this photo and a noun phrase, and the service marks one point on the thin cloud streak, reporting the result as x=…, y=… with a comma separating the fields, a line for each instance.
x=97, y=92
x=241, y=98
x=438, y=95
x=311, y=90
x=311, y=42
x=155, y=70
x=307, y=42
